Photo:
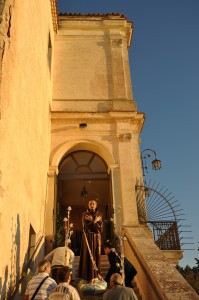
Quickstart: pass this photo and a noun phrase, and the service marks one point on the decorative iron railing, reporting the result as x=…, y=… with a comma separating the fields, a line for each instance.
x=157, y=208
x=165, y=234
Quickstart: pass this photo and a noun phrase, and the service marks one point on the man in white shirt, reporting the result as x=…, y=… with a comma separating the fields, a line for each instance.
x=64, y=290
x=48, y=284
x=60, y=257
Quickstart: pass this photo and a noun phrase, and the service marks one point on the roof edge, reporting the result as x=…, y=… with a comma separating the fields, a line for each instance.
x=107, y=15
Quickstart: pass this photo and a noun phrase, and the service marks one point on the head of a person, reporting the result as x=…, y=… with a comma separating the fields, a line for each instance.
x=44, y=266
x=107, y=247
x=92, y=205
x=116, y=279
x=64, y=274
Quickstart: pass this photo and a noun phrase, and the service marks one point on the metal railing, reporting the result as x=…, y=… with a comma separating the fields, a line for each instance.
x=165, y=233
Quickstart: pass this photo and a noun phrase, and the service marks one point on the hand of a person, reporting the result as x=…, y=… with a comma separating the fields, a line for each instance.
x=88, y=218
x=97, y=219
x=100, y=277
x=92, y=281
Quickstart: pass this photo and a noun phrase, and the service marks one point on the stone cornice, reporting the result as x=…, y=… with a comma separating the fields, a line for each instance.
x=134, y=118
x=54, y=12
x=96, y=115
x=95, y=15
x=68, y=21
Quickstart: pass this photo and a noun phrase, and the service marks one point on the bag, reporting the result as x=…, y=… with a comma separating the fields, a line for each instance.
x=36, y=291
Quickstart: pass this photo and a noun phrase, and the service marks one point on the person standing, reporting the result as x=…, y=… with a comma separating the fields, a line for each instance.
x=64, y=290
x=60, y=257
x=116, y=266
x=40, y=286
x=117, y=291
x=89, y=265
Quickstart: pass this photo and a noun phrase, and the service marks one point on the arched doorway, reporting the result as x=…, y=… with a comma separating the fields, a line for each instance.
x=82, y=171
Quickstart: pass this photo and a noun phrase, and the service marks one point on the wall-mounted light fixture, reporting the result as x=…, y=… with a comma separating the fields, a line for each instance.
x=156, y=163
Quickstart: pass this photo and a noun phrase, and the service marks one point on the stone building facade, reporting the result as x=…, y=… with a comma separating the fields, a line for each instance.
x=68, y=120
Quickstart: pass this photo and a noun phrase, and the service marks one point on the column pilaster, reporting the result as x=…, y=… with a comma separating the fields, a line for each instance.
x=127, y=179
x=51, y=208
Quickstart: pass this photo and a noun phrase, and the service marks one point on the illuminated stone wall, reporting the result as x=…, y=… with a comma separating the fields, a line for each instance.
x=26, y=39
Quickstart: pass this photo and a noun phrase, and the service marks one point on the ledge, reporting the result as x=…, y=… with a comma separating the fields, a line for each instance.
x=173, y=255
x=59, y=105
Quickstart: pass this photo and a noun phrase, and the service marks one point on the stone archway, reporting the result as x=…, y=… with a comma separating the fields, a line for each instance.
x=75, y=145
x=82, y=171
x=57, y=157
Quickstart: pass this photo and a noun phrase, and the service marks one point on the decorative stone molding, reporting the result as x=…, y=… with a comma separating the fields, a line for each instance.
x=116, y=43
x=125, y=137
x=135, y=135
x=52, y=171
x=138, y=121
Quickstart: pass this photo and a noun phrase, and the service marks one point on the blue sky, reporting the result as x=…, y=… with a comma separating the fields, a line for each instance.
x=164, y=62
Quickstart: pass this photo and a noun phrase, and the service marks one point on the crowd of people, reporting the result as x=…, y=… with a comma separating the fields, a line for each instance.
x=56, y=270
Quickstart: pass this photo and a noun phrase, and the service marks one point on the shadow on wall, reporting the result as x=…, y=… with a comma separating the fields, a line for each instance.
x=10, y=284
x=14, y=283
x=10, y=280
x=3, y=285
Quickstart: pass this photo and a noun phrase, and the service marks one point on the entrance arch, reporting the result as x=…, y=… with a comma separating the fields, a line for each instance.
x=59, y=153
x=82, y=176
x=75, y=145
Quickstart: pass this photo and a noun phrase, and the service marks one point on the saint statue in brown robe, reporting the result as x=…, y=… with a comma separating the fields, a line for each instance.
x=89, y=264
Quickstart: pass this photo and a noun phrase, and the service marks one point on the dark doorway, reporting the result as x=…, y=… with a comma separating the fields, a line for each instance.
x=82, y=176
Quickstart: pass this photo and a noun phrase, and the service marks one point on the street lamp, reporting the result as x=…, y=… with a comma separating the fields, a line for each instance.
x=156, y=163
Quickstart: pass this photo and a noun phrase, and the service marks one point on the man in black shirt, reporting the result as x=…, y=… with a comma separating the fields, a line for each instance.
x=116, y=267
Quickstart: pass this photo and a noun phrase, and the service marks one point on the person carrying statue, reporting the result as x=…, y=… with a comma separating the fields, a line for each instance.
x=60, y=257
x=116, y=265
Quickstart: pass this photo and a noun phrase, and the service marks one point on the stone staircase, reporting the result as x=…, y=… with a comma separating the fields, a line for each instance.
x=104, y=270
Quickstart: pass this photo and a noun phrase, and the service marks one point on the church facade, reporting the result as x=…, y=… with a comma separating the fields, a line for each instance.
x=69, y=129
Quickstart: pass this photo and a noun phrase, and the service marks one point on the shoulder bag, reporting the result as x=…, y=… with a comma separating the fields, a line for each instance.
x=36, y=291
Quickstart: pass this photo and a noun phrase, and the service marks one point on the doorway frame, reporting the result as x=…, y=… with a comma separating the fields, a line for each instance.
x=55, y=158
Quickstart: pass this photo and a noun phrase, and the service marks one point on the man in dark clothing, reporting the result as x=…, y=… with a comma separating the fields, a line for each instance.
x=116, y=266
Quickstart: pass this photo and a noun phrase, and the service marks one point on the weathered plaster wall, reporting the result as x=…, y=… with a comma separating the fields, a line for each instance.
x=91, y=63
x=24, y=129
